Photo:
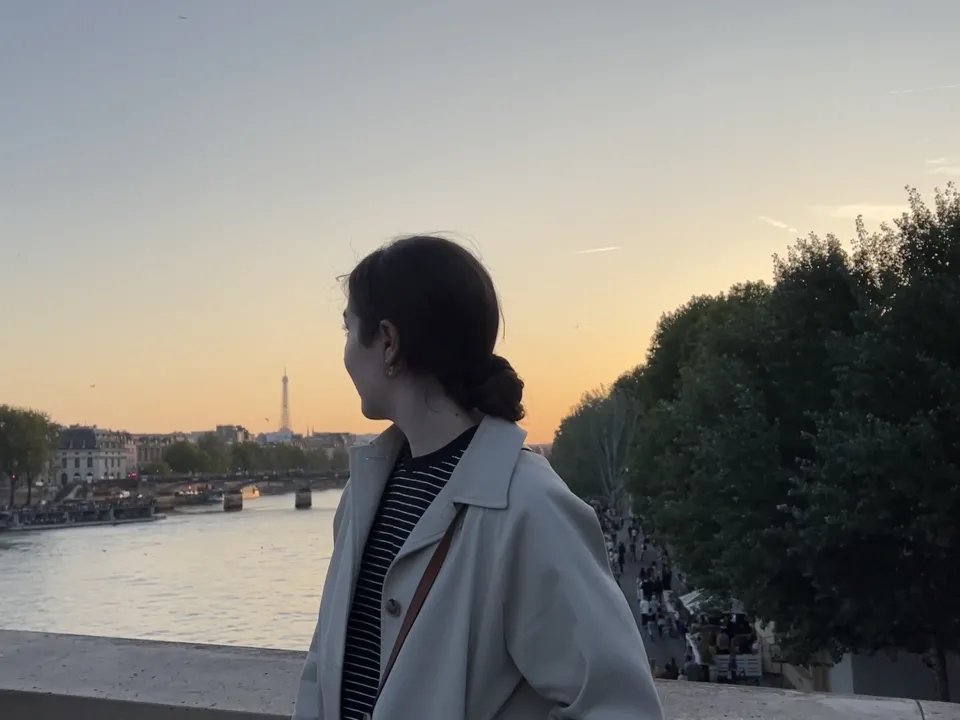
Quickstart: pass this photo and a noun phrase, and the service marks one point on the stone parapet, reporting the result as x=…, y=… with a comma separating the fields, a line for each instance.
x=46, y=676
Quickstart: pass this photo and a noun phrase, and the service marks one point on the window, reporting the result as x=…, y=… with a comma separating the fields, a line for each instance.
x=89, y=462
x=64, y=461
x=76, y=462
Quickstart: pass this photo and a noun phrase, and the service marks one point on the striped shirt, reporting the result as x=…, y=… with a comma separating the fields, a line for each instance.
x=414, y=483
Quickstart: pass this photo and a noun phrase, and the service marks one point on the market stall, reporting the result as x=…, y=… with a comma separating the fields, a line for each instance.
x=725, y=630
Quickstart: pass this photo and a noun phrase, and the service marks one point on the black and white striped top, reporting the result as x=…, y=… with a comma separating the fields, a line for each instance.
x=413, y=485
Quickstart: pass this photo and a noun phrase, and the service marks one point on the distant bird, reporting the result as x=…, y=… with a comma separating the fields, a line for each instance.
x=182, y=17
x=93, y=386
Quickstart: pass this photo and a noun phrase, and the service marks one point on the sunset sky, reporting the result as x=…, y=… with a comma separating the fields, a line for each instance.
x=178, y=196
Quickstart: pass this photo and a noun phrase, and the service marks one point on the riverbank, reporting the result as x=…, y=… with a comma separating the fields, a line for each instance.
x=71, y=526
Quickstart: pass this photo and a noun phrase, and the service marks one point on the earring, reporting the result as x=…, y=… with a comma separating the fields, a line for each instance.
x=390, y=371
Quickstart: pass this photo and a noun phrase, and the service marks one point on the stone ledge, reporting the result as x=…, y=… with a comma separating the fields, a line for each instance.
x=47, y=676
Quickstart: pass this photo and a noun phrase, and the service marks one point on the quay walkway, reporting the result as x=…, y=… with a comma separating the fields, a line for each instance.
x=660, y=649
x=46, y=676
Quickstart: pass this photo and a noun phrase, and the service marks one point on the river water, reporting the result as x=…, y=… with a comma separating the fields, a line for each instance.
x=247, y=578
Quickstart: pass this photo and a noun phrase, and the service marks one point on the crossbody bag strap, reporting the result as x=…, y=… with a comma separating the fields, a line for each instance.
x=420, y=595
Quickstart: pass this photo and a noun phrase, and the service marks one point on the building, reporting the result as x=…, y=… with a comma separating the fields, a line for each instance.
x=150, y=448
x=232, y=434
x=91, y=453
x=328, y=441
x=282, y=437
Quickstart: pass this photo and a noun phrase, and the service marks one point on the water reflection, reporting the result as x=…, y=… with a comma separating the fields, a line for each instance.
x=248, y=578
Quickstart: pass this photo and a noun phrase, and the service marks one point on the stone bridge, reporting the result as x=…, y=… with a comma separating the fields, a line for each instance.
x=169, y=485
x=46, y=677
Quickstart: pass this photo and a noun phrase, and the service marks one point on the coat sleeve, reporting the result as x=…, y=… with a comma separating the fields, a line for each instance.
x=309, y=702
x=568, y=626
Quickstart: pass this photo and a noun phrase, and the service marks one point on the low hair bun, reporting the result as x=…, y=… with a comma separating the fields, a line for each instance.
x=497, y=390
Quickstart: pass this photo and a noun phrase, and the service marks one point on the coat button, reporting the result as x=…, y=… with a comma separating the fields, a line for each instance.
x=393, y=607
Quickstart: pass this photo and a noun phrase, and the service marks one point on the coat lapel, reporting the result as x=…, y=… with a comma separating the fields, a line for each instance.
x=481, y=478
x=370, y=467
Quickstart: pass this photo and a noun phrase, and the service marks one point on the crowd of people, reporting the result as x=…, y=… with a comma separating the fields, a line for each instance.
x=657, y=620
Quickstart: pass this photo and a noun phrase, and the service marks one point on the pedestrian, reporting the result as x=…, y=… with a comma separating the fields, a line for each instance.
x=484, y=544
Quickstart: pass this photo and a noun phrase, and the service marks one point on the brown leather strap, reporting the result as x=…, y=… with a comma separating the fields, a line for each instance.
x=420, y=594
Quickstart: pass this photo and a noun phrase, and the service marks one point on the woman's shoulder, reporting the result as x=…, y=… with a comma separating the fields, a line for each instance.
x=537, y=489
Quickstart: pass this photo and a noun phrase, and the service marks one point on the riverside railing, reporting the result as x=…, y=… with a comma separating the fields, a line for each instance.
x=45, y=676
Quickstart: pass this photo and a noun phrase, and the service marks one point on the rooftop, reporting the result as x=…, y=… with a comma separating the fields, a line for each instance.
x=44, y=675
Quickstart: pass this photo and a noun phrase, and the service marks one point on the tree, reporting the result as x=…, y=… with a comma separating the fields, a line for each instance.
x=591, y=447
x=27, y=441
x=156, y=469
x=318, y=461
x=247, y=457
x=880, y=510
x=799, y=445
x=11, y=443
x=41, y=438
x=339, y=459
x=288, y=457
x=184, y=457
x=213, y=449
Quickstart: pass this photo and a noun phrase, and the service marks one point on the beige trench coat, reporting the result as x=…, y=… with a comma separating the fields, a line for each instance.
x=524, y=622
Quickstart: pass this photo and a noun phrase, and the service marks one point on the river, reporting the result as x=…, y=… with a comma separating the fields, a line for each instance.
x=246, y=578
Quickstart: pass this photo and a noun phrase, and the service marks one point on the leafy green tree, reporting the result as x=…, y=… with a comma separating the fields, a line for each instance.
x=288, y=457
x=591, y=447
x=317, y=461
x=339, y=459
x=41, y=438
x=798, y=443
x=156, y=469
x=216, y=458
x=247, y=457
x=184, y=457
x=880, y=509
x=27, y=441
x=11, y=455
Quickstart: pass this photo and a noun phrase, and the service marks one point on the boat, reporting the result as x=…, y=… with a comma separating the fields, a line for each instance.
x=78, y=514
x=192, y=497
x=250, y=492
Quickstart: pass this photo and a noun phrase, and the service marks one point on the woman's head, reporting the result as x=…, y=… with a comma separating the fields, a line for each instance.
x=422, y=312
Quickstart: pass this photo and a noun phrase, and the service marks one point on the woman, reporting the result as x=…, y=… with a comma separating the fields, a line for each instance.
x=467, y=582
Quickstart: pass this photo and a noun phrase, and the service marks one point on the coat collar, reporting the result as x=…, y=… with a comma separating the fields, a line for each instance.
x=482, y=477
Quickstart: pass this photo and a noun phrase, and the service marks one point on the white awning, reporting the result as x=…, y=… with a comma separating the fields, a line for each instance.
x=693, y=601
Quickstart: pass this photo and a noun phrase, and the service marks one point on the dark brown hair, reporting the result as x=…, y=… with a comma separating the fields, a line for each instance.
x=445, y=308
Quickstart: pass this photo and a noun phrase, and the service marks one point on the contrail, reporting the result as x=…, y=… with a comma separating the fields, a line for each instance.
x=955, y=86
x=773, y=222
x=597, y=250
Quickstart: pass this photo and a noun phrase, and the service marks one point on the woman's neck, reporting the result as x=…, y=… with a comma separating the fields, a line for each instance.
x=432, y=423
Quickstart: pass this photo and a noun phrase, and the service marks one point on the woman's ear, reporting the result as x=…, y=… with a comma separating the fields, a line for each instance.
x=391, y=344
